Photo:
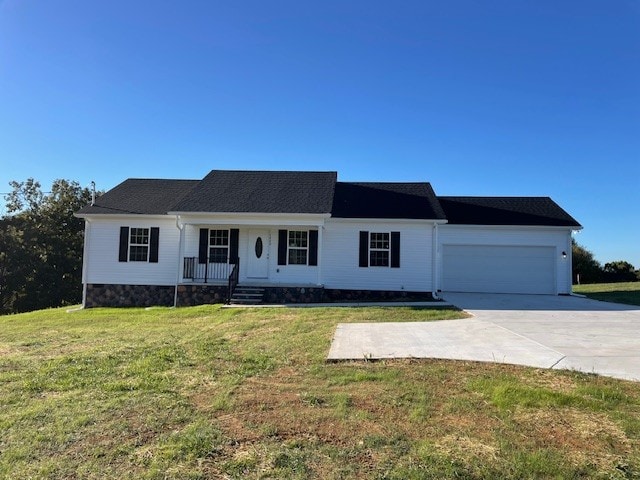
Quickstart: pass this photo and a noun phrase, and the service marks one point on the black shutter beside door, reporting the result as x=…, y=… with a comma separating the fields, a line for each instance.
x=203, y=246
x=282, y=247
x=234, y=236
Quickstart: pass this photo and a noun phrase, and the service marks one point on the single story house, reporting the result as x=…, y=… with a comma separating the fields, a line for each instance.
x=304, y=236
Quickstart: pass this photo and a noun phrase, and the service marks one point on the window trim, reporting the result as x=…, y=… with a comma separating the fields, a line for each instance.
x=147, y=245
x=227, y=246
x=372, y=249
x=305, y=249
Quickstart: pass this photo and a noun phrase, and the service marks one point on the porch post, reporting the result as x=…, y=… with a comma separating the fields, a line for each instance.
x=320, y=253
x=180, y=260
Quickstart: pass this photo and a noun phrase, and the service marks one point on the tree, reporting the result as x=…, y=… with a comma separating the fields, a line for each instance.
x=620, y=271
x=585, y=266
x=41, y=244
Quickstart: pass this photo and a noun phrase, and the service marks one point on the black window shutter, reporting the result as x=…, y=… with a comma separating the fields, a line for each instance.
x=282, y=247
x=203, y=246
x=313, y=247
x=395, y=249
x=234, y=236
x=364, y=249
x=124, y=244
x=154, y=243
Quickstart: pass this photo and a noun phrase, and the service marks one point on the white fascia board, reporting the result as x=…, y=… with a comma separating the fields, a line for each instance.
x=512, y=227
x=262, y=219
x=118, y=216
x=388, y=220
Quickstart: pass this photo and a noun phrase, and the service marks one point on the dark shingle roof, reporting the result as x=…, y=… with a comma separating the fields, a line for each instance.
x=506, y=211
x=386, y=200
x=319, y=193
x=141, y=196
x=261, y=192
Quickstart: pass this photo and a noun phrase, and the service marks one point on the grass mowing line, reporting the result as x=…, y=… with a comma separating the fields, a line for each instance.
x=624, y=292
x=205, y=392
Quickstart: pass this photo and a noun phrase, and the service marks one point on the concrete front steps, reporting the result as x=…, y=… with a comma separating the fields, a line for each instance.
x=247, y=296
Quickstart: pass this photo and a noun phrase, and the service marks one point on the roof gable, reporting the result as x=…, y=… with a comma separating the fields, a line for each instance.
x=235, y=191
x=539, y=211
x=386, y=200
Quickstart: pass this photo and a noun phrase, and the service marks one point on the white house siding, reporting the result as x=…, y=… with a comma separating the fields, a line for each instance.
x=340, y=257
x=546, y=245
x=101, y=259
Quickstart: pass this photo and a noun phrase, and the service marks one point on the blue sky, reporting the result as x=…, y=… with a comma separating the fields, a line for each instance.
x=477, y=97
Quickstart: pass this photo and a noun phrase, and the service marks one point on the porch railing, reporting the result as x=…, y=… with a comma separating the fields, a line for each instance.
x=233, y=280
x=205, y=272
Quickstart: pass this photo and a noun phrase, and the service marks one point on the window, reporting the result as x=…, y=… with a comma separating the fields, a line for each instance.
x=298, y=247
x=379, y=249
x=218, y=246
x=139, y=245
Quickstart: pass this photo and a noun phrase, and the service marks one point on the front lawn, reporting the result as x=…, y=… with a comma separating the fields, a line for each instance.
x=627, y=292
x=205, y=392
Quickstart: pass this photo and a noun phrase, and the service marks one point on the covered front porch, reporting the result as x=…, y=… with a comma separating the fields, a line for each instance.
x=249, y=251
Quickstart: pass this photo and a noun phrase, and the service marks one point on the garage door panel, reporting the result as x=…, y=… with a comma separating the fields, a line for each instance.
x=499, y=269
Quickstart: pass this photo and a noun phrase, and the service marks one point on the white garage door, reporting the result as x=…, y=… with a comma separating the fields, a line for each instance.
x=498, y=269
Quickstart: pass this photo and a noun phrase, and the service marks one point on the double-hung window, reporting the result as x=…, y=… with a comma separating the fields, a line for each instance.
x=379, y=247
x=218, y=246
x=298, y=247
x=139, y=245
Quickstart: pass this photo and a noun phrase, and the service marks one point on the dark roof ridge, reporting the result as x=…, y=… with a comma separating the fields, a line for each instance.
x=270, y=171
x=493, y=196
x=162, y=179
x=384, y=183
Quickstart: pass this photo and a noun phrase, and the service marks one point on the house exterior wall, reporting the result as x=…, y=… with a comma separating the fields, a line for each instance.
x=101, y=265
x=338, y=252
x=557, y=238
x=340, y=257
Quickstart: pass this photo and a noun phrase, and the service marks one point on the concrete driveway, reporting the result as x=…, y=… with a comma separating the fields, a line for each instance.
x=537, y=330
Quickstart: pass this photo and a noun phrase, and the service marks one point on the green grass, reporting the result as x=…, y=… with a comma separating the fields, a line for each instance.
x=206, y=392
x=626, y=292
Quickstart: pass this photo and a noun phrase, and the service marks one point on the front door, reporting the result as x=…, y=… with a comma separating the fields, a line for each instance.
x=258, y=254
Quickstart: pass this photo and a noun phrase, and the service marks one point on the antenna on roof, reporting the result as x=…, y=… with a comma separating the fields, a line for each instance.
x=93, y=192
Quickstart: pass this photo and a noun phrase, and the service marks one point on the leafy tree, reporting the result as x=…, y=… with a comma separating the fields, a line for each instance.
x=41, y=246
x=585, y=266
x=620, y=271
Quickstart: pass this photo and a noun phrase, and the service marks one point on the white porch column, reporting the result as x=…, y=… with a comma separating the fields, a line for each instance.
x=180, y=260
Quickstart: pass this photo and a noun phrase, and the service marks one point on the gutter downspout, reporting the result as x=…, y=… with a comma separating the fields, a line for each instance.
x=85, y=260
x=434, y=263
x=180, y=251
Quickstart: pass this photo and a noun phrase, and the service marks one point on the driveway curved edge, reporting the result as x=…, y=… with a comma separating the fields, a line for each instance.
x=544, y=331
